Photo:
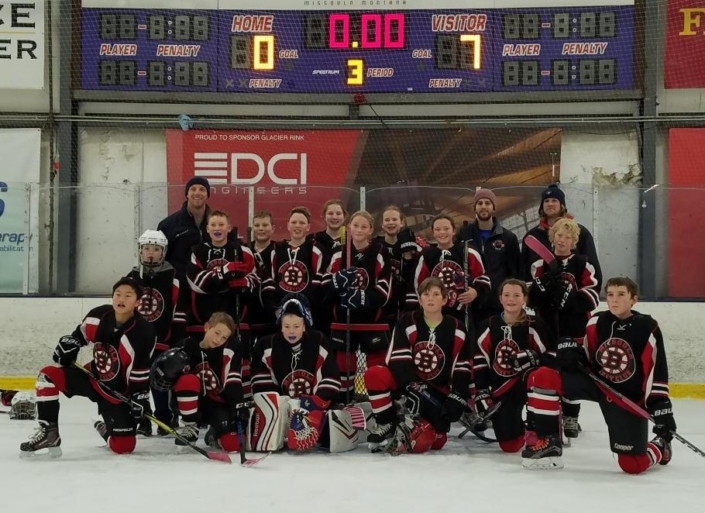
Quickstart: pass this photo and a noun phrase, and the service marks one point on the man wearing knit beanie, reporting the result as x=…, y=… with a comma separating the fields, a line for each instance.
x=499, y=248
x=187, y=226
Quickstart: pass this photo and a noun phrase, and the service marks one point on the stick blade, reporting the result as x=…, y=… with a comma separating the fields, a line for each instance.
x=219, y=456
x=251, y=462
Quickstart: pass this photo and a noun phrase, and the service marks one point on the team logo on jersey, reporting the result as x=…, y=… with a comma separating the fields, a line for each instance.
x=616, y=358
x=503, y=354
x=209, y=380
x=498, y=244
x=151, y=304
x=293, y=276
x=451, y=274
x=217, y=263
x=106, y=361
x=429, y=360
x=298, y=383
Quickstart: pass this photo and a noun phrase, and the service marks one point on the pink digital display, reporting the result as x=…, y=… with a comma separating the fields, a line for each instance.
x=368, y=31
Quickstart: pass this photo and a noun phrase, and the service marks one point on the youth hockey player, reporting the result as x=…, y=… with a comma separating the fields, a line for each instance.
x=205, y=377
x=123, y=344
x=297, y=363
x=261, y=319
x=563, y=293
x=161, y=306
x=295, y=264
x=510, y=345
x=625, y=349
x=400, y=243
x=430, y=350
x=361, y=287
x=328, y=240
x=449, y=262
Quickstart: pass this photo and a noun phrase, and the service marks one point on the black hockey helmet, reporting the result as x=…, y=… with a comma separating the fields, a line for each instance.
x=168, y=367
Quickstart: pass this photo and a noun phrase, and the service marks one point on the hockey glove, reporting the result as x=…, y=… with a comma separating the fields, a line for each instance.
x=138, y=404
x=524, y=360
x=455, y=406
x=342, y=280
x=664, y=423
x=483, y=401
x=549, y=278
x=564, y=294
x=241, y=415
x=407, y=240
x=353, y=299
x=66, y=351
x=570, y=354
x=233, y=270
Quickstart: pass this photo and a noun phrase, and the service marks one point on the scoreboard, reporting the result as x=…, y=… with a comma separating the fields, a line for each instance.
x=392, y=46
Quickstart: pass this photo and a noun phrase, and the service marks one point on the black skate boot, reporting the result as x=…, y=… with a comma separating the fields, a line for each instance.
x=45, y=437
x=145, y=427
x=102, y=430
x=665, y=448
x=381, y=436
x=188, y=432
x=542, y=453
x=571, y=427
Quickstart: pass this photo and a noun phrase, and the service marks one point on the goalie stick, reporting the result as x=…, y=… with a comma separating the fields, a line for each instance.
x=211, y=455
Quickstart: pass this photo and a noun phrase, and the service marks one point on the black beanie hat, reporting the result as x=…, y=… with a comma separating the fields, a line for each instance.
x=198, y=180
x=552, y=191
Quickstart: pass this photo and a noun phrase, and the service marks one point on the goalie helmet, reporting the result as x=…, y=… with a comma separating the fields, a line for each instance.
x=168, y=367
x=23, y=407
x=296, y=304
x=155, y=238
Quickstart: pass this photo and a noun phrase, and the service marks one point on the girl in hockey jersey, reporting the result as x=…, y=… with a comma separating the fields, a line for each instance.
x=509, y=346
x=122, y=346
x=297, y=363
x=328, y=240
x=205, y=376
x=359, y=289
x=295, y=264
x=460, y=268
x=428, y=364
x=162, y=304
x=400, y=243
x=564, y=292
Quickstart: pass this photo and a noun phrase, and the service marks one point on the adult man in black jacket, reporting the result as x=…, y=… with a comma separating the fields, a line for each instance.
x=499, y=247
x=187, y=226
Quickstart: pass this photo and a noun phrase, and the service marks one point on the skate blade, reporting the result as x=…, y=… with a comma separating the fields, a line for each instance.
x=548, y=463
x=376, y=448
x=48, y=453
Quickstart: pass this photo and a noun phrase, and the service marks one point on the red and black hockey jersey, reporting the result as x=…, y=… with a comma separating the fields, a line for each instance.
x=449, y=266
x=121, y=354
x=160, y=303
x=439, y=356
x=328, y=246
x=401, y=276
x=219, y=369
x=567, y=306
x=294, y=269
x=373, y=275
x=306, y=368
x=211, y=290
x=258, y=314
x=499, y=342
x=629, y=354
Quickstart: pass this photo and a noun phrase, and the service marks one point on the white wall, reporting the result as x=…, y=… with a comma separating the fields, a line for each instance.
x=37, y=324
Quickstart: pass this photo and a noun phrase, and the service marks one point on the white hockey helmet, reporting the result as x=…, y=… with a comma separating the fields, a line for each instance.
x=156, y=238
x=23, y=406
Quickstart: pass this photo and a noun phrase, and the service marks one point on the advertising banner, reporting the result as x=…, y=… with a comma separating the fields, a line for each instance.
x=19, y=154
x=21, y=44
x=425, y=172
x=685, y=44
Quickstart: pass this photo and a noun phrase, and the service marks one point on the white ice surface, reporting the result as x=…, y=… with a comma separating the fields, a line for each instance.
x=466, y=476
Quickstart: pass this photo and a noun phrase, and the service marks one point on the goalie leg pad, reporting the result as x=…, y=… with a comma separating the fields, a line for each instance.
x=269, y=422
x=339, y=435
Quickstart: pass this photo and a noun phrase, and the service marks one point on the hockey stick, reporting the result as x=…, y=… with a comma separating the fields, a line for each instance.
x=469, y=428
x=344, y=237
x=466, y=279
x=630, y=406
x=537, y=247
x=211, y=455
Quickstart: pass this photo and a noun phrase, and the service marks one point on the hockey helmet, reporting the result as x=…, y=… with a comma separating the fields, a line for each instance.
x=168, y=367
x=23, y=407
x=296, y=304
x=156, y=238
